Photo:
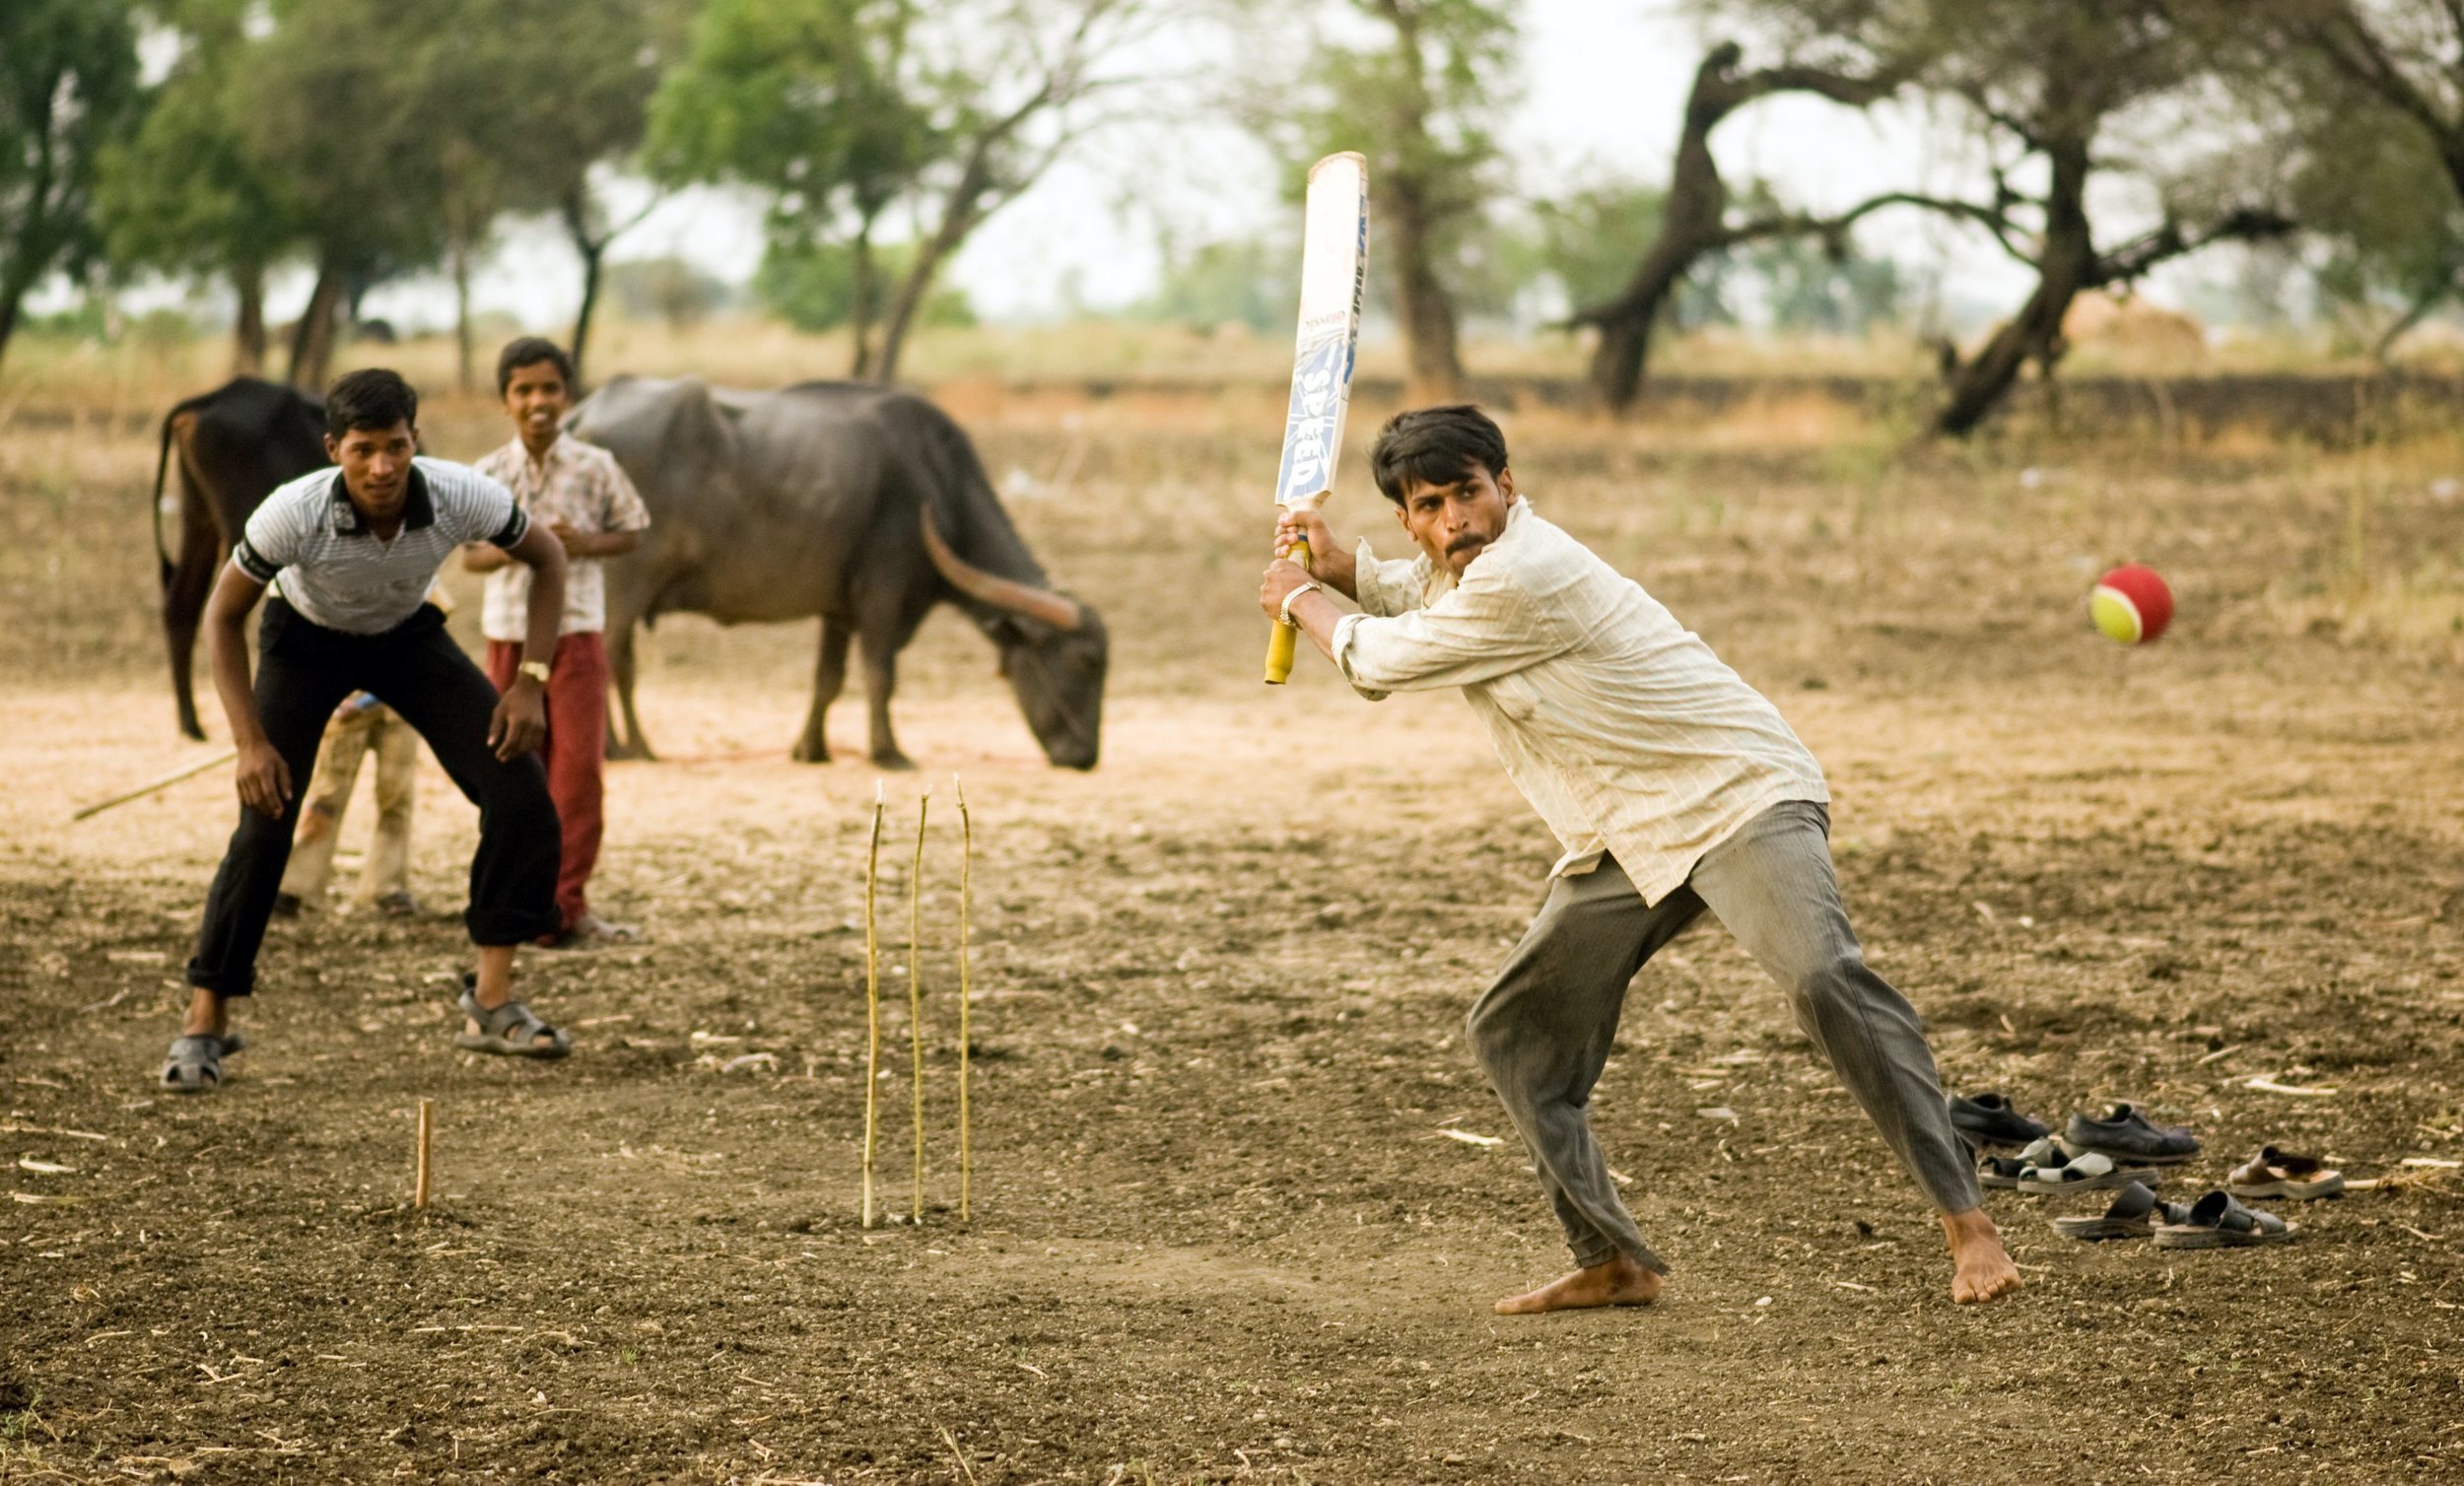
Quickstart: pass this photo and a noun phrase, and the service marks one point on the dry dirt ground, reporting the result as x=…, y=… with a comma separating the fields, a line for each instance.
x=1220, y=1228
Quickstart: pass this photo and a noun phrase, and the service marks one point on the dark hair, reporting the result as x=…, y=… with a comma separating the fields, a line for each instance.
x=375, y=398
x=1435, y=447
x=529, y=351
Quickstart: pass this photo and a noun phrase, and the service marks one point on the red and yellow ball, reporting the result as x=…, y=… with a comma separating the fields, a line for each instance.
x=2131, y=605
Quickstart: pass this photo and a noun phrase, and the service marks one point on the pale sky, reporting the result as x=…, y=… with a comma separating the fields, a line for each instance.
x=1601, y=86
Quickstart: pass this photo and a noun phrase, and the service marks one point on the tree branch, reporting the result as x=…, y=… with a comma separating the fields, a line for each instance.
x=2349, y=44
x=2133, y=259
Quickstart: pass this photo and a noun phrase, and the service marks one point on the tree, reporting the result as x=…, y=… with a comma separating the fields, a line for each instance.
x=2050, y=86
x=69, y=87
x=845, y=111
x=2393, y=251
x=1420, y=102
x=2383, y=110
x=336, y=105
x=1696, y=221
x=183, y=195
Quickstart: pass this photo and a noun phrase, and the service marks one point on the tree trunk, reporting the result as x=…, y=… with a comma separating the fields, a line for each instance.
x=2065, y=265
x=11, y=296
x=1693, y=216
x=592, y=254
x=1624, y=350
x=312, y=343
x=860, y=301
x=7, y=316
x=465, y=373
x=248, y=324
x=1432, y=354
x=957, y=218
x=2430, y=299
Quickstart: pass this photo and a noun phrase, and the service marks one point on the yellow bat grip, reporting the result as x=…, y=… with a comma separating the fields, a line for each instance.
x=1279, y=645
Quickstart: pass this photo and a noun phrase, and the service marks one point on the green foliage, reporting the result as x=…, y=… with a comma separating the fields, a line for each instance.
x=69, y=89
x=1253, y=281
x=2370, y=186
x=184, y=195
x=805, y=100
x=1418, y=91
x=812, y=284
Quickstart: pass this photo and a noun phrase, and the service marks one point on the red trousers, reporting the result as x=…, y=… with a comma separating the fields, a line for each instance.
x=575, y=753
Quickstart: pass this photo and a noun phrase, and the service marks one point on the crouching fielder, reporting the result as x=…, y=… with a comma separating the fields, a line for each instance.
x=1674, y=787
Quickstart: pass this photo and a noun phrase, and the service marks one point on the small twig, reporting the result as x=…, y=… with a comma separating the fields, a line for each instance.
x=2220, y=1053
x=915, y=1000
x=2271, y=1086
x=419, y=1180
x=873, y=998
x=966, y=892
x=965, y=1469
x=107, y=1003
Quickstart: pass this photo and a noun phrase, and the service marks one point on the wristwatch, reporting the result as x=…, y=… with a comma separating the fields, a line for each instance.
x=536, y=670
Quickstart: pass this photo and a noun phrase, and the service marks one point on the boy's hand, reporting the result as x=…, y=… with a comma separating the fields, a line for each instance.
x=1328, y=562
x=264, y=781
x=520, y=720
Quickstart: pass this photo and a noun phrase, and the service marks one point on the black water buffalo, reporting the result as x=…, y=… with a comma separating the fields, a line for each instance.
x=235, y=444
x=861, y=505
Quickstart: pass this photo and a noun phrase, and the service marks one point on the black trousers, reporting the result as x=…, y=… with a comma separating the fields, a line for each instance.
x=303, y=671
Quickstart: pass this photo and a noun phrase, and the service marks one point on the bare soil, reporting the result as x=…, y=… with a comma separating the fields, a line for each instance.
x=1220, y=1228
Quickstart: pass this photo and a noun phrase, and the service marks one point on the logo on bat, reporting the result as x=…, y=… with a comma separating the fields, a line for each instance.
x=1320, y=379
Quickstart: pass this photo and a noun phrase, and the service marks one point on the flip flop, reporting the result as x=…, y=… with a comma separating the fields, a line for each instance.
x=2216, y=1221
x=2280, y=1174
x=2134, y=1215
x=2000, y=1171
x=2090, y=1171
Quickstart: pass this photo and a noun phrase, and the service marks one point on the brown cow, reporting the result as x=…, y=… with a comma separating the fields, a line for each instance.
x=235, y=444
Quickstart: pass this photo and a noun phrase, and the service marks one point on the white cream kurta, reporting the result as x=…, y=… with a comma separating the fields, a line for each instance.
x=1619, y=725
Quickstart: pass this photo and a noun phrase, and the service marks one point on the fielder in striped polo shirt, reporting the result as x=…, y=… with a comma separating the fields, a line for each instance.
x=348, y=555
x=1672, y=787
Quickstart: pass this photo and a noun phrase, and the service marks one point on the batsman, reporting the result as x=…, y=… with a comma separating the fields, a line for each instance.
x=1674, y=787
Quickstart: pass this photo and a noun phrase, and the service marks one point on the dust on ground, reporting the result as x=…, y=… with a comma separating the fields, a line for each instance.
x=1220, y=1228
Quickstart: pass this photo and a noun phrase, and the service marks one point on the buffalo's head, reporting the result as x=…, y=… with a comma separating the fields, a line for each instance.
x=1054, y=650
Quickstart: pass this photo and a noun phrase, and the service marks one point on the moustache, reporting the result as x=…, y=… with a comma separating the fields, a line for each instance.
x=1466, y=543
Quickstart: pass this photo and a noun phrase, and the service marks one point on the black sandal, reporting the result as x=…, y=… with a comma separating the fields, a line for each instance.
x=195, y=1065
x=509, y=1031
x=2133, y=1215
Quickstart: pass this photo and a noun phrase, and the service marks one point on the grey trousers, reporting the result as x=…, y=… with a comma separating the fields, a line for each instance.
x=1542, y=1031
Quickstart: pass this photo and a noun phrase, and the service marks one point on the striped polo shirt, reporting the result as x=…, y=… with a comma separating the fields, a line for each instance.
x=339, y=574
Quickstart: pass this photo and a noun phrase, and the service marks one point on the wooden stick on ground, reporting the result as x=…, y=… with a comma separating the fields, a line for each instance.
x=150, y=785
x=427, y=1128
x=915, y=1000
x=872, y=1000
x=966, y=891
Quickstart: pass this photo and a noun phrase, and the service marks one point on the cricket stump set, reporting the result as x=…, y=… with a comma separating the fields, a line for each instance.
x=914, y=1003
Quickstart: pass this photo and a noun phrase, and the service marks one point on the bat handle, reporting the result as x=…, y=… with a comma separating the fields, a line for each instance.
x=1280, y=643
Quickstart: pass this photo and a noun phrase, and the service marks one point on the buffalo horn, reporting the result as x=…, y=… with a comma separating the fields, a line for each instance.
x=1000, y=593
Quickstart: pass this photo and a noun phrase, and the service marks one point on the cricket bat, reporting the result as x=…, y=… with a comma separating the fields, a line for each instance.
x=1335, y=254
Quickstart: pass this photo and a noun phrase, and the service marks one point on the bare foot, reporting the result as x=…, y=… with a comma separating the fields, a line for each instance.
x=1618, y=1281
x=1980, y=1271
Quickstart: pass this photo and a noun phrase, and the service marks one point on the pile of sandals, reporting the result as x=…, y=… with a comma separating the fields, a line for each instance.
x=2124, y=1152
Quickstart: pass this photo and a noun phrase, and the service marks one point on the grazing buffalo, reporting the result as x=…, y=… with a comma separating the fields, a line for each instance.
x=235, y=444
x=861, y=505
